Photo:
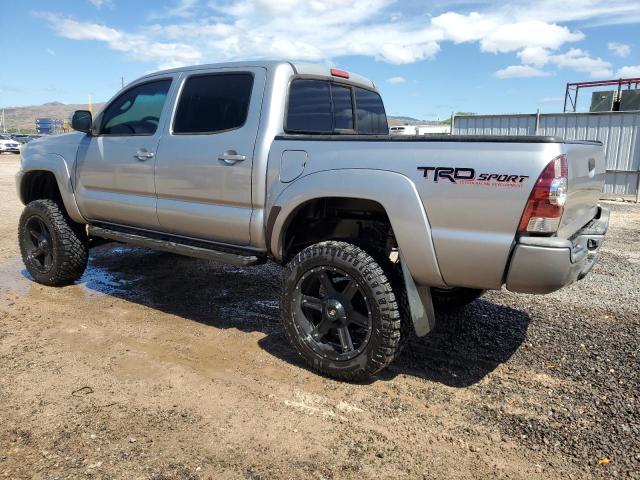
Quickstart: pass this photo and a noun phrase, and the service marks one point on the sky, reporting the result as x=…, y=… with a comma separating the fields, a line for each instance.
x=427, y=58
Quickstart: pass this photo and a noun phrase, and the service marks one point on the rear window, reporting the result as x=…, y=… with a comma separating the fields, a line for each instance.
x=342, y=108
x=320, y=106
x=371, y=116
x=213, y=103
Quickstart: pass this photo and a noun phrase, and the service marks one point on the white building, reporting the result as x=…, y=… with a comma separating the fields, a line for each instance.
x=434, y=129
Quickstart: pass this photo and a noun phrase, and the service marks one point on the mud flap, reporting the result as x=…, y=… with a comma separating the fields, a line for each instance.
x=420, y=303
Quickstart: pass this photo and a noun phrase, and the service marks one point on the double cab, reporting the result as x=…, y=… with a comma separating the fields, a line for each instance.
x=294, y=163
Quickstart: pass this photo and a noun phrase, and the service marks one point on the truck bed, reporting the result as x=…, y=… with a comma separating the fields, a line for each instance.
x=473, y=222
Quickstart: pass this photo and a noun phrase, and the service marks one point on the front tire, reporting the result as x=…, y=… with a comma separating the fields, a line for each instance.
x=54, y=248
x=340, y=312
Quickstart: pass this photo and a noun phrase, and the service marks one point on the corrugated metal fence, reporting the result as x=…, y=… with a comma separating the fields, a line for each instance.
x=618, y=131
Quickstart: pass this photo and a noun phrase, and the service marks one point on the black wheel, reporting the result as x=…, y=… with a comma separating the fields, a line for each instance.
x=54, y=249
x=454, y=298
x=340, y=312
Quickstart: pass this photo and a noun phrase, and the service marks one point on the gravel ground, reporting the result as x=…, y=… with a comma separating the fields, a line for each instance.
x=585, y=339
x=157, y=366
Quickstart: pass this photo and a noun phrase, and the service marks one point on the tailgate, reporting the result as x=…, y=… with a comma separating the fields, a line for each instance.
x=586, y=178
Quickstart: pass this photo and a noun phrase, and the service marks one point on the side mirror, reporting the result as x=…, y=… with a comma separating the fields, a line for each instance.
x=81, y=121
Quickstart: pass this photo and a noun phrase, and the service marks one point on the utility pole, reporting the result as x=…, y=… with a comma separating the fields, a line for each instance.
x=121, y=82
x=90, y=103
x=3, y=125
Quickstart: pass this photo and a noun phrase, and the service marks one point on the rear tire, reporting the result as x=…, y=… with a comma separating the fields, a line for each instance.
x=455, y=298
x=340, y=311
x=54, y=248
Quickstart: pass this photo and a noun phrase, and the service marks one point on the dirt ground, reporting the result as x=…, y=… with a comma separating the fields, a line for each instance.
x=158, y=366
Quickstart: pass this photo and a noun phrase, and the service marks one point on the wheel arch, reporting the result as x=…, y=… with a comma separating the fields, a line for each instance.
x=48, y=177
x=390, y=194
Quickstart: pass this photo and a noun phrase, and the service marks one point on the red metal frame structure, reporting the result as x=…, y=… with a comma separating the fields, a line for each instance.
x=574, y=88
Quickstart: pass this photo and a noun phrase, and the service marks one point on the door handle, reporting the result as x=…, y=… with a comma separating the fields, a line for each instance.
x=143, y=154
x=231, y=157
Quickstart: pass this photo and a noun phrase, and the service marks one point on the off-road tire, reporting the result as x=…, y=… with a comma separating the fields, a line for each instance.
x=451, y=299
x=385, y=340
x=69, y=244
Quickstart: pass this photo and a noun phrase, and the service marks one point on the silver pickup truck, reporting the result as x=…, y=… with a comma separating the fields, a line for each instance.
x=255, y=161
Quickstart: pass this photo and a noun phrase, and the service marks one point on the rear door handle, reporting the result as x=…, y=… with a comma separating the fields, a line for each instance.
x=143, y=154
x=231, y=156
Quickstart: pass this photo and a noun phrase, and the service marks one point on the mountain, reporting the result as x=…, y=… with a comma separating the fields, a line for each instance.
x=23, y=119
x=399, y=120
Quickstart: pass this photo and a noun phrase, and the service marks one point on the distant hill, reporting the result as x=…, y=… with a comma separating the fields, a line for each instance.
x=399, y=120
x=23, y=119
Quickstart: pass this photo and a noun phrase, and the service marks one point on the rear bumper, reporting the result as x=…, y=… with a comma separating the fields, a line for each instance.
x=546, y=264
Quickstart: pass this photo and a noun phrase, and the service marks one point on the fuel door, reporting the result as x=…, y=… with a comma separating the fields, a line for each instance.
x=292, y=165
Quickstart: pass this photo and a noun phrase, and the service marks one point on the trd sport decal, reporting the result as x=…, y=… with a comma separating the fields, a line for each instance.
x=467, y=176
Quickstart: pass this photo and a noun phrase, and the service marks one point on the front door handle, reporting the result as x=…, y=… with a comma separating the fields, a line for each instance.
x=143, y=154
x=231, y=157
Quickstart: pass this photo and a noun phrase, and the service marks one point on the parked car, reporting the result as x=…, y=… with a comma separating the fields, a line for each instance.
x=249, y=162
x=20, y=138
x=7, y=144
x=403, y=130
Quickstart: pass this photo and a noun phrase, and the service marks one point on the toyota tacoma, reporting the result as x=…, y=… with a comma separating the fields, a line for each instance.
x=293, y=163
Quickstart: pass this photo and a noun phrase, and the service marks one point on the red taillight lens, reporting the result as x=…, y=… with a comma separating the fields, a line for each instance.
x=546, y=202
x=339, y=73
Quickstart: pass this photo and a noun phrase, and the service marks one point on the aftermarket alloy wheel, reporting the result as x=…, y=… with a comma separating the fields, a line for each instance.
x=53, y=248
x=340, y=312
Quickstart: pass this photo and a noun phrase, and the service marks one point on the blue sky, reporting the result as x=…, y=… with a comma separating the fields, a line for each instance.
x=427, y=58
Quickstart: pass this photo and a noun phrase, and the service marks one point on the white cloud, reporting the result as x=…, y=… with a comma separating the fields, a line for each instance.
x=630, y=71
x=190, y=31
x=515, y=36
x=574, y=59
x=137, y=47
x=581, y=61
x=589, y=12
x=521, y=71
x=311, y=30
x=619, y=49
x=501, y=34
x=101, y=3
x=396, y=80
x=180, y=8
x=465, y=28
x=50, y=51
x=535, y=56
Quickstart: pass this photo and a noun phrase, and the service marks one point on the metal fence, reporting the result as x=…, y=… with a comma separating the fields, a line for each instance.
x=618, y=131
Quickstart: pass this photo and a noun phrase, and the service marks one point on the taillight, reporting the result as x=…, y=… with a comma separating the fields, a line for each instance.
x=546, y=202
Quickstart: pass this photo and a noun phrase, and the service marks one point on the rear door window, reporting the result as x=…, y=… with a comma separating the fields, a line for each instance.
x=213, y=103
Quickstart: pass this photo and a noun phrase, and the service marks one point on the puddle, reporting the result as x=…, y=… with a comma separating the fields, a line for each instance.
x=97, y=281
x=15, y=280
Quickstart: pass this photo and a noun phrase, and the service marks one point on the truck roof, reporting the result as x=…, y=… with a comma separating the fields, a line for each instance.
x=300, y=68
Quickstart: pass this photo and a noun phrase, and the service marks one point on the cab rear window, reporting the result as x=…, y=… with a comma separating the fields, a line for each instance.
x=321, y=106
